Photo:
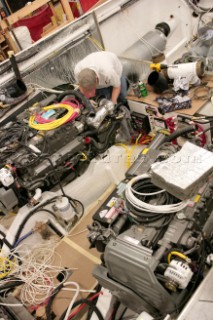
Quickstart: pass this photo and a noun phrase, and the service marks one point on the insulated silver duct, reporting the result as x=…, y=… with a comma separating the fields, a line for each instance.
x=151, y=46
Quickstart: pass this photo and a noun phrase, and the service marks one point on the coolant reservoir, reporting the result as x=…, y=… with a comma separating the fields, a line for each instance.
x=65, y=209
x=6, y=177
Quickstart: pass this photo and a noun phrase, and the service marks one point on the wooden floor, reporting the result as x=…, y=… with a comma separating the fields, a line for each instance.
x=75, y=252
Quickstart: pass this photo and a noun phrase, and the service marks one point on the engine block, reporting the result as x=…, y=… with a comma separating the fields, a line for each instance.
x=33, y=158
x=153, y=267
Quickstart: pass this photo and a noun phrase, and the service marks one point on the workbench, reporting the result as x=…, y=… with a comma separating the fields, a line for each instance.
x=150, y=100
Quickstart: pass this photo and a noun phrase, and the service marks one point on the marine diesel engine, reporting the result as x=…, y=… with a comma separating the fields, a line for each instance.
x=154, y=245
x=38, y=149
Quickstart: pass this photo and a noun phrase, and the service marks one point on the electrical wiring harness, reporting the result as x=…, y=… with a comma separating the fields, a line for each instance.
x=45, y=124
x=156, y=248
x=36, y=272
x=140, y=204
x=36, y=276
x=155, y=245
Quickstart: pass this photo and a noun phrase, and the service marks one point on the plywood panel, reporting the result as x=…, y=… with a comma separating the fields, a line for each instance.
x=75, y=252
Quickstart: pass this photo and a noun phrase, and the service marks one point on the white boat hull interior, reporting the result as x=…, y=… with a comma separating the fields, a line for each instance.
x=135, y=31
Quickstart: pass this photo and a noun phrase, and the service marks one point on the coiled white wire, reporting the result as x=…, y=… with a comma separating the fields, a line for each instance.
x=141, y=205
x=37, y=272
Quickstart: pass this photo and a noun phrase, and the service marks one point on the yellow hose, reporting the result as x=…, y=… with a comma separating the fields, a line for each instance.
x=176, y=253
x=55, y=123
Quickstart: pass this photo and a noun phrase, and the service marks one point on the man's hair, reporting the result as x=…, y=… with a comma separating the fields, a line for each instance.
x=87, y=79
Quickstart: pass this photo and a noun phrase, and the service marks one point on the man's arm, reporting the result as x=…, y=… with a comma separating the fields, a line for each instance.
x=115, y=93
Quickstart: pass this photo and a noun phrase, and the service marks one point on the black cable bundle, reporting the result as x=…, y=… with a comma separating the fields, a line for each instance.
x=91, y=306
x=17, y=137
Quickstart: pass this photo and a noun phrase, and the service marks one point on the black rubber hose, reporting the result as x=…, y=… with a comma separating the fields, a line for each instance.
x=50, y=302
x=11, y=285
x=89, y=133
x=79, y=96
x=15, y=67
x=21, y=226
x=90, y=304
x=101, y=147
x=1, y=232
x=40, y=207
x=180, y=132
x=14, y=101
x=19, y=60
x=37, y=183
x=115, y=310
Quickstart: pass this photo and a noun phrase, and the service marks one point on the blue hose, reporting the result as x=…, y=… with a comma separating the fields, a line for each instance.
x=22, y=238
